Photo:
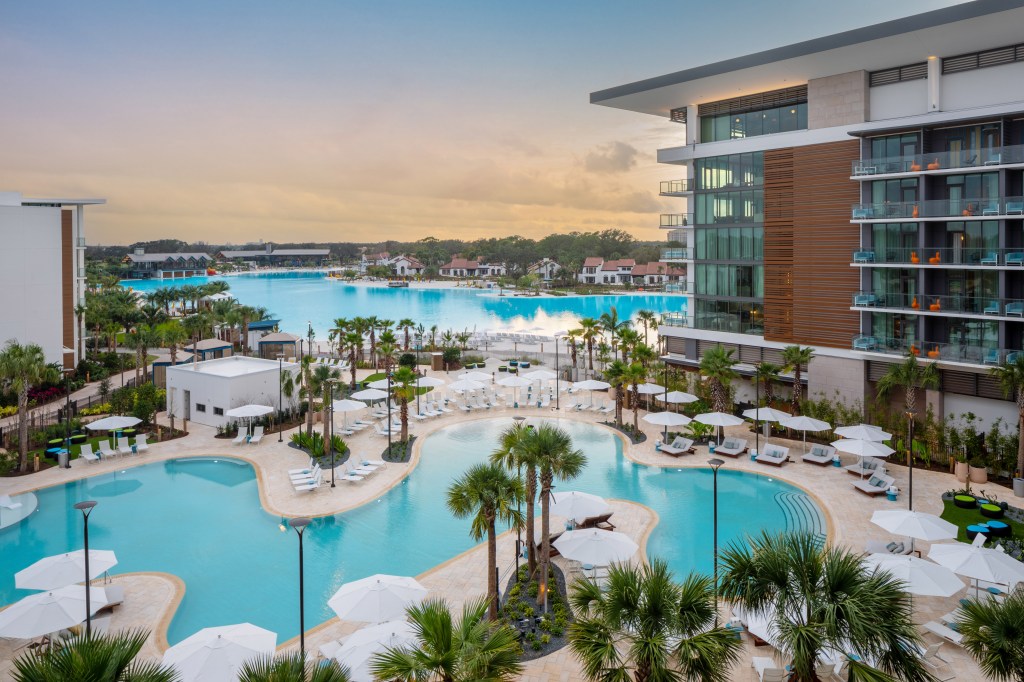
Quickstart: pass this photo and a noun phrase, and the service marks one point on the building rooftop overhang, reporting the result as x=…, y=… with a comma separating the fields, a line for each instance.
x=945, y=32
x=61, y=201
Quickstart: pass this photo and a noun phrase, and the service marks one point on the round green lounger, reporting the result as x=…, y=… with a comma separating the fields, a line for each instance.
x=992, y=511
x=965, y=501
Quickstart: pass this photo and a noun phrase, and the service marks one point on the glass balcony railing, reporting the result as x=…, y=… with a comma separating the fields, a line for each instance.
x=80, y=242
x=676, y=320
x=973, y=353
x=679, y=288
x=942, y=303
x=1012, y=256
x=671, y=220
x=672, y=188
x=675, y=254
x=941, y=208
x=914, y=163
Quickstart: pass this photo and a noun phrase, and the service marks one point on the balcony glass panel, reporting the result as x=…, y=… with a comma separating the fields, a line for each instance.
x=944, y=303
x=912, y=163
x=967, y=352
x=676, y=320
x=946, y=256
x=955, y=207
x=676, y=219
x=675, y=254
x=671, y=187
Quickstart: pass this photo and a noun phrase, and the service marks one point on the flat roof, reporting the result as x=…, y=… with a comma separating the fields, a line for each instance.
x=62, y=202
x=943, y=32
x=234, y=366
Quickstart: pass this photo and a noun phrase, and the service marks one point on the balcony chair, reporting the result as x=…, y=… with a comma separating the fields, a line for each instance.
x=1016, y=308
x=992, y=356
x=990, y=258
x=936, y=259
x=992, y=308
x=866, y=343
x=863, y=214
x=863, y=256
x=934, y=353
x=1015, y=258
x=1012, y=357
x=991, y=209
x=994, y=160
x=935, y=306
x=934, y=165
x=865, y=300
x=1015, y=208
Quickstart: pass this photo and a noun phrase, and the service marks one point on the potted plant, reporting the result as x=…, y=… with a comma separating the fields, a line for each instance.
x=976, y=470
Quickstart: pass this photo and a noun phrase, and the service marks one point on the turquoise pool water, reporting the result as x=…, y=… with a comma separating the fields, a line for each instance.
x=201, y=520
x=301, y=297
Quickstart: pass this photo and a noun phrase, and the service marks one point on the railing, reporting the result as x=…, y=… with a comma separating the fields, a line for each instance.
x=675, y=254
x=914, y=163
x=80, y=242
x=676, y=219
x=1013, y=256
x=942, y=303
x=676, y=320
x=678, y=236
x=728, y=323
x=679, y=288
x=940, y=208
x=676, y=187
x=935, y=350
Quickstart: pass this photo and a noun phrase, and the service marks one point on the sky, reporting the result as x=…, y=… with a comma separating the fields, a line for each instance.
x=235, y=121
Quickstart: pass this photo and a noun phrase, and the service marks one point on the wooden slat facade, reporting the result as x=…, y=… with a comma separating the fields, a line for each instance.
x=778, y=244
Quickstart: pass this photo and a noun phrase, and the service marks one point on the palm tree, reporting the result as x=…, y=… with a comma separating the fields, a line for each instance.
x=142, y=338
x=80, y=322
x=452, y=651
x=590, y=329
x=767, y=373
x=321, y=379
x=292, y=667
x=354, y=342
x=387, y=350
x=635, y=374
x=1011, y=380
x=340, y=327
x=372, y=323
x=433, y=337
x=908, y=375
x=644, y=354
x=717, y=365
x=556, y=458
x=172, y=335
x=793, y=360
x=360, y=326
x=611, y=323
x=405, y=324
x=515, y=452
x=823, y=598
x=992, y=634
x=195, y=325
x=21, y=368
x=489, y=495
x=573, y=335
x=649, y=319
x=306, y=374
x=628, y=340
x=100, y=657
x=645, y=626
x=615, y=374
x=403, y=387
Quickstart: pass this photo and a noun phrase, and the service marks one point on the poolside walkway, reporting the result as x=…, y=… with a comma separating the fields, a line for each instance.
x=150, y=598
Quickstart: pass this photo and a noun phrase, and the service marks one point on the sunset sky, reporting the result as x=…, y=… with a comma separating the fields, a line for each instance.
x=361, y=121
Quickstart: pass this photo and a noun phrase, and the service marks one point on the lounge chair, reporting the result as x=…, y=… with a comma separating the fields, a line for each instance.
x=990, y=258
x=123, y=446
x=767, y=670
x=820, y=454
x=86, y=453
x=240, y=436
x=680, y=446
x=305, y=475
x=931, y=658
x=311, y=484
x=115, y=597
x=140, y=443
x=257, y=435
x=305, y=470
x=866, y=466
x=773, y=455
x=1015, y=308
x=876, y=485
x=601, y=521
x=105, y=449
x=891, y=547
x=946, y=633
x=731, y=447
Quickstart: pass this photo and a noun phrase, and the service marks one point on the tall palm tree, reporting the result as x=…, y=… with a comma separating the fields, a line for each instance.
x=615, y=374
x=172, y=335
x=628, y=340
x=195, y=325
x=556, y=458
x=403, y=387
x=360, y=326
x=717, y=365
x=793, y=360
x=993, y=635
x=80, y=324
x=1011, y=380
x=908, y=375
x=372, y=324
x=354, y=342
x=574, y=335
x=406, y=324
x=644, y=354
x=514, y=452
x=611, y=324
x=768, y=374
x=99, y=657
x=292, y=667
x=649, y=319
x=306, y=375
x=488, y=495
x=645, y=626
x=142, y=338
x=321, y=379
x=822, y=598
x=590, y=329
x=452, y=650
x=634, y=375
x=21, y=368
x=340, y=327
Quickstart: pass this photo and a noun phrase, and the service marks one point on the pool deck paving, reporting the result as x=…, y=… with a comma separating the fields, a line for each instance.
x=151, y=598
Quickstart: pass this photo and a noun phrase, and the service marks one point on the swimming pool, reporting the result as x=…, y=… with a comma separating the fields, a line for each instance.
x=201, y=520
x=300, y=297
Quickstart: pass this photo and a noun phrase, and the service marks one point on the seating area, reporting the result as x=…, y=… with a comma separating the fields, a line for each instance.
x=773, y=455
x=679, y=446
x=820, y=454
x=878, y=484
x=732, y=447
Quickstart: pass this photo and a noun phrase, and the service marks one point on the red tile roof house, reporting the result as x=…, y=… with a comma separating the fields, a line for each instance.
x=591, y=266
x=463, y=267
x=656, y=273
x=617, y=271
x=405, y=265
x=369, y=259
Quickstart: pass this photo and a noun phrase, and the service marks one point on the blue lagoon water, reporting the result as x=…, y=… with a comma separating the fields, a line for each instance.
x=201, y=519
x=301, y=297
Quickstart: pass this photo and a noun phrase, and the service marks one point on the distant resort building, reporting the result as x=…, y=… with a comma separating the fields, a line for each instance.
x=158, y=367
x=462, y=267
x=269, y=256
x=279, y=343
x=597, y=270
x=369, y=260
x=210, y=349
x=405, y=266
x=259, y=329
x=546, y=269
x=653, y=274
x=142, y=265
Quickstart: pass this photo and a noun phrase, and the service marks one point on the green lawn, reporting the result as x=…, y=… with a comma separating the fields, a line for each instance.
x=965, y=517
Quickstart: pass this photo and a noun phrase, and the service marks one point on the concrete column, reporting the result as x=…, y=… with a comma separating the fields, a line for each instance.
x=934, y=84
x=692, y=125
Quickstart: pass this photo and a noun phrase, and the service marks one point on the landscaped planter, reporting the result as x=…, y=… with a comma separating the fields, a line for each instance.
x=978, y=474
x=961, y=471
x=965, y=501
x=992, y=511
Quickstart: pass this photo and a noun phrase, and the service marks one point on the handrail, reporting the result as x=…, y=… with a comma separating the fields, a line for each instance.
x=916, y=163
x=975, y=207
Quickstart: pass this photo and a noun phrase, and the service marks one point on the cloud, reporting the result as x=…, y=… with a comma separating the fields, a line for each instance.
x=614, y=157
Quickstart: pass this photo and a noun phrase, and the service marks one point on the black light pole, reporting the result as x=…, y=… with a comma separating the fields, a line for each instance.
x=388, y=374
x=910, y=461
x=331, y=383
x=280, y=403
x=558, y=393
x=757, y=424
x=715, y=465
x=299, y=525
x=86, y=509
x=67, y=415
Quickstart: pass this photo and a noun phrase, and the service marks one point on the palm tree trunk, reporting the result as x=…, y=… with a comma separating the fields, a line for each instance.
x=618, y=406
x=1020, y=426
x=545, y=534
x=327, y=399
x=23, y=429
x=309, y=403
x=797, y=390
x=403, y=407
x=352, y=367
x=492, y=577
x=590, y=355
x=531, y=497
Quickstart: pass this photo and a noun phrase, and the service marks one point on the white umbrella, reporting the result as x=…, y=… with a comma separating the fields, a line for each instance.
x=676, y=397
x=377, y=598
x=914, y=524
x=805, y=424
x=358, y=649
x=978, y=562
x=113, y=423
x=45, y=612
x=766, y=414
x=591, y=385
x=60, y=570
x=426, y=382
x=515, y=383
x=666, y=419
x=249, y=411
x=577, y=505
x=864, y=448
x=596, y=547
x=475, y=376
x=540, y=375
x=862, y=432
x=380, y=384
x=648, y=389
x=919, y=576
x=465, y=385
x=370, y=394
x=218, y=653
x=347, y=405
x=718, y=419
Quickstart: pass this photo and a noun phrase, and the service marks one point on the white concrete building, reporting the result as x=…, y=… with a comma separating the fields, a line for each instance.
x=546, y=269
x=202, y=392
x=42, y=273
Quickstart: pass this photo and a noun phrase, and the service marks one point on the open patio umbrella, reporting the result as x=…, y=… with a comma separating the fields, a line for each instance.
x=113, y=423
x=577, y=505
x=45, y=612
x=914, y=524
x=666, y=419
x=514, y=383
x=380, y=384
x=61, y=570
x=358, y=649
x=591, y=385
x=370, y=394
x=648, y=389
x=919, y=576
x=377, y=598
x=465, y=385
x=676, y=397
x=595, y=546
x=804, y=424
x=862, y=432
x=347, y=405
x=539, y=375
x=426, y=382
x=218, y=653
x=765, y=414
x=863, y=448
x=718, y=419
x=474, y=376
x=977, y=562
x=249, y=411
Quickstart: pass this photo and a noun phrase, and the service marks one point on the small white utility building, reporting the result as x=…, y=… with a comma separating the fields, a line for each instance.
x=202, y=392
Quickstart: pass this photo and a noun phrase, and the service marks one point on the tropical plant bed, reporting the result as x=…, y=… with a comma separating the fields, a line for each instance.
x=962, y=518
x=627, y=430
x=539, y=634
x=398, y=451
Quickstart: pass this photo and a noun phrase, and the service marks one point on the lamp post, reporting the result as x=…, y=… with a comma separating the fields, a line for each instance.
x=280, y=403
x=388, y=374
x=757, y=424
x=86, y=508
x=67, y=415
x=330, y=446
x=910, y=461
x=557, y=392
x=299, y=525
x=715, y=465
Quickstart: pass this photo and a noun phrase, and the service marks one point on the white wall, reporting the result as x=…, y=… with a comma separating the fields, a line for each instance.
x=30, y=278
x=908, y=98
x=216, y=391
x=980, y=87
x=986, y=409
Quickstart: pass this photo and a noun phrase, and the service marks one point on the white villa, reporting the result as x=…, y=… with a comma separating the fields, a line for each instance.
x=546, y=269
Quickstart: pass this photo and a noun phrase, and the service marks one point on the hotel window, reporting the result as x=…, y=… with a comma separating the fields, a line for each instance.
x=894, y=191
x=736, y=125
x=894, y=146
x=732, y=170
x=219, y=411
x=200, y=407
x=894, y=242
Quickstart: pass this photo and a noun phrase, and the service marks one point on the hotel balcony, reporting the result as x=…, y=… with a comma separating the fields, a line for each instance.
x=1012, y=257
x=935, y=351
x=940, y=209
x=80, y=242
x=669, y=255
x=941, y=304
x=682, y=287
x=676, y=320
x=939, y=163
x=671, y=221
x=676, y=188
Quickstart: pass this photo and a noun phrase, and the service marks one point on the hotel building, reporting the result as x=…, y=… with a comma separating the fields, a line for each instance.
x=42, y=273
x=860, y=193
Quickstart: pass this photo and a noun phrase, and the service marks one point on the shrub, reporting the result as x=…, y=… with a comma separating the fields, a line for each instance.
x=407, y=360
x=8, y=411
x=451, y=356
x=146, y=403
x=102, y=408
x=8, y=462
